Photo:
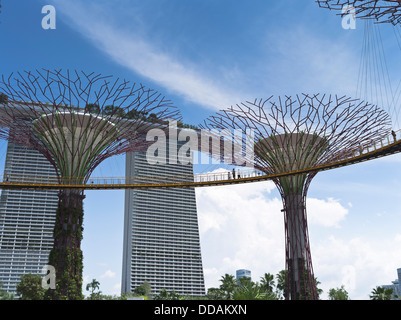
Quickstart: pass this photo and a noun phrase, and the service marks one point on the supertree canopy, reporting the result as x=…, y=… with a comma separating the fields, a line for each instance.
x=294, y=134
x=76, y=120
x=380, y=10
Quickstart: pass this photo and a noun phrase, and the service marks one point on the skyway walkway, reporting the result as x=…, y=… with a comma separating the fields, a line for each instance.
x=388, y=146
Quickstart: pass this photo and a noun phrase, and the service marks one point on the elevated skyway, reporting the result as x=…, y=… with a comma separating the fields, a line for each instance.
x=376, y=149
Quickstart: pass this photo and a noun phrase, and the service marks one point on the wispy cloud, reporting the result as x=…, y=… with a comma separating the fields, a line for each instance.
x=305, y=60
x=138, y=54
x=108, y=274
x=245, y=226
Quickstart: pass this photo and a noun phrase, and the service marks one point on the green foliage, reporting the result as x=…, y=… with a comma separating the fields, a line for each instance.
x=3, y=98
x=111, y=110
x=92, y=286
x=215, y=294
x=307, y=286
x=338, y=294
x=66, y=255
x=244, y=289
x=30, y=287
x=267, y=282
x=228, y=285
x=167, y=295
x=4, y=295
x=381, y=293
x=143, y=290
x=92, y=108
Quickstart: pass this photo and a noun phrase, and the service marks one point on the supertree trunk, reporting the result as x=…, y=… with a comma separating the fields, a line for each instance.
x=300, y=281
x=292, y=134
x=66, y=256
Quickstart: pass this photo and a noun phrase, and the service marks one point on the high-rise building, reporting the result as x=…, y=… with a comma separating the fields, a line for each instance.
x=243, y=273
x=396, y=285
x=26, y=218
x=161, y=236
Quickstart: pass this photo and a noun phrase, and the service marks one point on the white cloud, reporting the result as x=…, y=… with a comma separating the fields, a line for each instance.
x=242, y=226
x=352, y=262
x=239, y=228
x=326, y=213
x=116, y=290
x=108, y=274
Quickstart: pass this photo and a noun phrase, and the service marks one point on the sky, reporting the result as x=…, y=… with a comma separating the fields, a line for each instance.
x=205, y=56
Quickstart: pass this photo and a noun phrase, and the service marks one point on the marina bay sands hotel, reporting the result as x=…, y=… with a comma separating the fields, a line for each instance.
x=161, y=235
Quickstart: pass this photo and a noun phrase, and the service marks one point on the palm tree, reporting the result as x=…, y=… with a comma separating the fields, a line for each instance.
x=228, y=285
x=281, y=282
x=381, y=293
x=93, y=286
x=318, y=290
x=248, y=290
x=267, y=282
x=167, y=295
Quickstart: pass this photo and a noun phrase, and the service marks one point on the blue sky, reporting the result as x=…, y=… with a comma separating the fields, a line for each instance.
x=206, y=55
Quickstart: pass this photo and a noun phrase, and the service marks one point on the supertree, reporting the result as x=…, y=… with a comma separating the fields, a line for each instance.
x=380, y=10
x=294, y=134
x=77, y=120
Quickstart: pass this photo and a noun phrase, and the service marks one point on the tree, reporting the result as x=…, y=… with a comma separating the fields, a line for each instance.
x=243, y=281
x=228, y=285
x=3, y=98
x=92, y=286
x=4, y=295
x=152, y=117
x=114, y=111
x=381, y=293
x=144, y=289
x=267, y=282
x=92, y=108
x=318, y=290
x=166, y=295
x=281, y=282
x=249, y=290
x=338, y=294
x=30, y=287
x=215, y=294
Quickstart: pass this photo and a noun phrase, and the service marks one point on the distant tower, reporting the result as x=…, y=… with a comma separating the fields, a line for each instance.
x=161, y=233
x=76, y=121
x=26, y=218
x=298, y=133
x=242, y=273
x=395, y=286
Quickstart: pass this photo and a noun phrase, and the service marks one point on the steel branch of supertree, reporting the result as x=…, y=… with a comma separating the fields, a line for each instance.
x=383, y=11
x=77, y=120
x=88, y=117
x=291, y=134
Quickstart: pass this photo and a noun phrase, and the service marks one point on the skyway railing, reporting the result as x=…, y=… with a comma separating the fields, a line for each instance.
x=389, y=145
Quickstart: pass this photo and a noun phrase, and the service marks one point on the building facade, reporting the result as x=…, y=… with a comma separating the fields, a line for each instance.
x=161, y=236
x=396, y=286
x=243, y=273
x=26, y=218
